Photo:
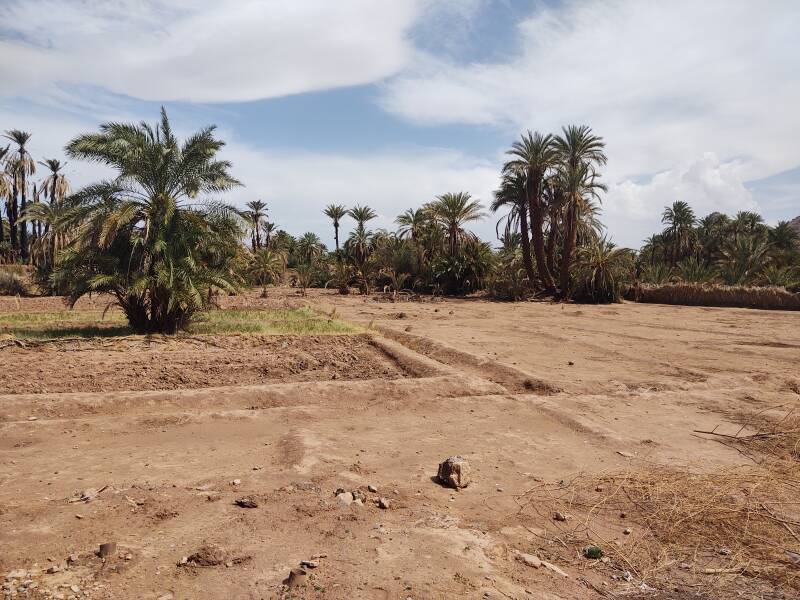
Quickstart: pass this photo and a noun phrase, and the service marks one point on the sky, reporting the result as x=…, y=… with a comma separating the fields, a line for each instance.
x=392, y=102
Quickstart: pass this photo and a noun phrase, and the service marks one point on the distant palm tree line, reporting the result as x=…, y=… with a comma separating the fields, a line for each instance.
x=732, y=250
x=148, y=238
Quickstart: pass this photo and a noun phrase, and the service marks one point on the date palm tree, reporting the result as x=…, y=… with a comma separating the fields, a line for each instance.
x=535, y=156
x=267, y=266
x=268, y=229
x=679, y=219
x=453, y=211
x=579, y=153
x=335, y=212
x=144, y=236
x=309, y=248
x=21, y=165
x=257, y=210
x=411, y=223
x=361, y=215
x=512, y=193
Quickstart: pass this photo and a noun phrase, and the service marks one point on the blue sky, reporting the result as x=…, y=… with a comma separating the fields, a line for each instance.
x=390, y=102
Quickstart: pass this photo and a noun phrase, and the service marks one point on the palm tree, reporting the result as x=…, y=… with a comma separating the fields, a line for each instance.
x=266, y=267
x=336, y=212
x=268, y=229
x=784, y=242
x=309, y=248
x=361, y=214
x=412, y=223
x=512, y=193
x=22, y=166
x=143, y=237
x=742, y=260
x=711, y=232
x=58, y=231
x=747, y=223
x=579, y=152
x=257, y=211
x=679, y=219
x=453, y=211
x=535, y=157
x=602, y=268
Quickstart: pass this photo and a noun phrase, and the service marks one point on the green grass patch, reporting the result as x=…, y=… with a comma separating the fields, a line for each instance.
x=300, y=321
x=89, y=324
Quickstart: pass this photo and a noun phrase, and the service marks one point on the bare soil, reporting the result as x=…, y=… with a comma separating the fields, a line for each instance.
x=150, y=443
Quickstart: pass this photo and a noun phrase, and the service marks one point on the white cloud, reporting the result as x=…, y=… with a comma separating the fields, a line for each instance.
x=661, y=81
x=204, y=51
x=709, y=185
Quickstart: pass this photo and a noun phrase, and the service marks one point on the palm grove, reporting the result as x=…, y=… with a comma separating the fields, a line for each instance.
x=153, y=238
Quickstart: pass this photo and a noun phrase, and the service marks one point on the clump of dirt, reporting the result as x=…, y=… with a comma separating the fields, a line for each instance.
x=208, y=555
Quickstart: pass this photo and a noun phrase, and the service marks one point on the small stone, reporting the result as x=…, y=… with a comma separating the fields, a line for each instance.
x=296, y=577
x=75, y=589
x=129, y=557
x=454, y=472
x=373, y=488
x=383, y=503
x=309, y=563
x=685, y=566
x=17, y=574
x=627, y=531
x=107, y=549
x=229, y=563
x=167, y=596
x=72, y=558
x=246, y=502
x=344, y=498
x=184, y=560
x=724, y=551
x=530, y=560
x=599, y=488
x=32, y=418
x=236, y=482
x=53, y=569
x=79, y=517
x=559, y=516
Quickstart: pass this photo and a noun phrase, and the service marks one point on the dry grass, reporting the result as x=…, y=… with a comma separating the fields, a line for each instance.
x=714, y=533
x=696, y=294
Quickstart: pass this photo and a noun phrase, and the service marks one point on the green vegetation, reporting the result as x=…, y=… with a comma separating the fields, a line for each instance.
x=87, y=324
x=152, y=239
x=721, y=250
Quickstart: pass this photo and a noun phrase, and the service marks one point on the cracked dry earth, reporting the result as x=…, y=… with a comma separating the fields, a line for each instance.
x=150, y=446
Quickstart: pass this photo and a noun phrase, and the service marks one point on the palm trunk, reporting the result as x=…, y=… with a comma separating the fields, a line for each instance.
x=527, y=261
x=537, y=235
x=336, y=236
x=23, y=226
x=12, y=216
x=570, y=237
x=551, y=241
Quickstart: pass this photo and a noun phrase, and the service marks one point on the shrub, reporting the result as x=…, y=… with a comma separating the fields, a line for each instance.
x=12, y=284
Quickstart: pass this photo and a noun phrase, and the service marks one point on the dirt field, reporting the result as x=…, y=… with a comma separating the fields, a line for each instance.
x=150, y=443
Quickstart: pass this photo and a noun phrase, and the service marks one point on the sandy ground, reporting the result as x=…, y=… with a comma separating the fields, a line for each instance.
x=173, y=433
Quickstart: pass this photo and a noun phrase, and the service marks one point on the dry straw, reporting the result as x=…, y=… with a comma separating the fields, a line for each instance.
x=717, y=532
x=696, y=294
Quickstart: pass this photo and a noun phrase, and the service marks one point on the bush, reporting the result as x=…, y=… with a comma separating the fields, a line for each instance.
x=12, y=284
x=602, y=270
